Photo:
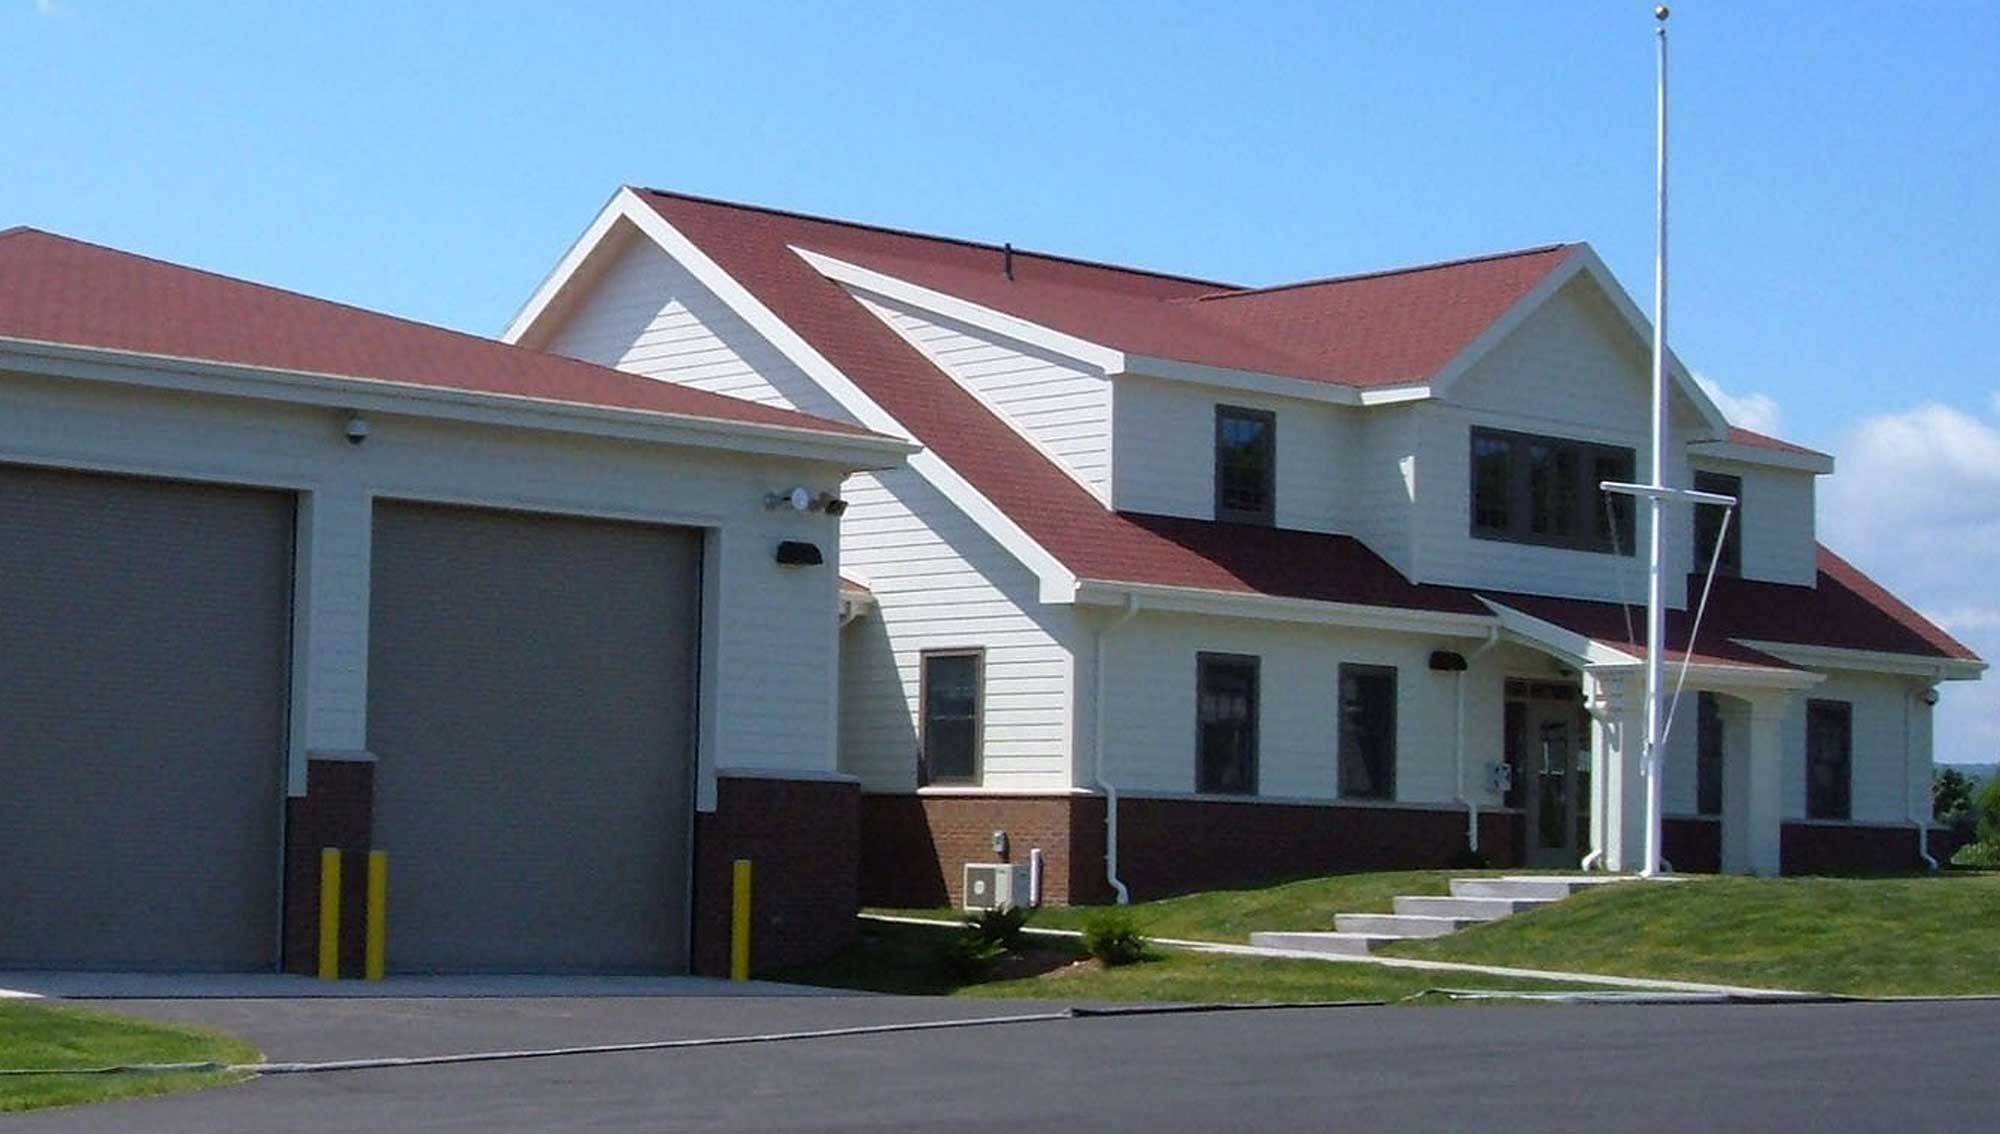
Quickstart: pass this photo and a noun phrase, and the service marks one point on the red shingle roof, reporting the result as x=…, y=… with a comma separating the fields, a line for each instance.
x=1755, y=440
x=57, y=290
x=1404, y=322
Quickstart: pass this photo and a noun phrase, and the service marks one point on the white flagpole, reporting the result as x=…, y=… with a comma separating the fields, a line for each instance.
x=1655, y=614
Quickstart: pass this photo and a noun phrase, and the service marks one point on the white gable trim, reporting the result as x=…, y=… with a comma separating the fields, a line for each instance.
x=1754, y=455
x=1058, y=584
x=1582, y=260
x=1280, y=608
x=1565, y=643
x=1870, y=661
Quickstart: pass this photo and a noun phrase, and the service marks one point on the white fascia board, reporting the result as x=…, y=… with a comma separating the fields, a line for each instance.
x=345, y=392
x=1582, y=260
x=1251, y=381
x=1057, y=582
x=1098, y=357
x=1395, y=395
x=1278, y=608
x=557, y=281
x=1738, y=453
x=1870, y=661
x=1723, y=678
x=1559, y=640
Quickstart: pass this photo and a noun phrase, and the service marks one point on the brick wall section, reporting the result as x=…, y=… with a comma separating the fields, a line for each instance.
x=914, y=848
x=803, y=838
x=1693, y=845
x=336, y=811
x=1807, y=848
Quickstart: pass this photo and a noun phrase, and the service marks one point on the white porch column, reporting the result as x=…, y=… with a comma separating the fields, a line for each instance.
x=1617, y=736
x=1760, y=815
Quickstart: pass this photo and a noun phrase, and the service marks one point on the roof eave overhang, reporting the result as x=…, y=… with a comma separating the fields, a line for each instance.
x=1817, y=463
x=1921, y=666
x=1279, y=608
x=853, y=452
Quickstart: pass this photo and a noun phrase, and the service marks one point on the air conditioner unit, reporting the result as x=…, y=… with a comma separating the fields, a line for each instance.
x=996, y=885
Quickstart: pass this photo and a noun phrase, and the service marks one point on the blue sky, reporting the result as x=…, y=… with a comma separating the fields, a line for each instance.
x=1835, y=167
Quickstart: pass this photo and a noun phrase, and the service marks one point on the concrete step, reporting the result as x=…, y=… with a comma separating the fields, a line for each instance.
x=1548, y=888
x=1400, y=925
x=1340, y=944
x=1475, y=909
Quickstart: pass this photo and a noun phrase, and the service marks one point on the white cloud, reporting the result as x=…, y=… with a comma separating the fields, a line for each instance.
x=1757, y=412
x=1916, y=503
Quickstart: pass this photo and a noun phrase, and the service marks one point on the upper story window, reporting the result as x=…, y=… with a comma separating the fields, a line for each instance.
x=1246, y=465
x=1708, y=521
x=1543, y=490
x=1226, y=724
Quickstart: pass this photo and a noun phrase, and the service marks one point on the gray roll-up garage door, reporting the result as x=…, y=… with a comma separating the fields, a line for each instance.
x=530, y=707
x=144, y=662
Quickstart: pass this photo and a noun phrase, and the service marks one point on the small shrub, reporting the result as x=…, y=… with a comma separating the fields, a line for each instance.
x=1113, y=939
x=1000, y=927
x=967, y=958
x=1985, y=856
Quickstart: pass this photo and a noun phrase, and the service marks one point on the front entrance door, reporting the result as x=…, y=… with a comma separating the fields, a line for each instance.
x=1552, y=775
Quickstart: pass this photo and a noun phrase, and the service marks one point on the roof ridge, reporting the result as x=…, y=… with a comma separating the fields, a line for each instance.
x=18, y=229
x=962, y=241
x=307, y=296
x=1378, y=273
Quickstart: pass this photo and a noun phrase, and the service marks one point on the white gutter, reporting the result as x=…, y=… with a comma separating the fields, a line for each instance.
x=1104, y=784
x=1458, y=740
x=1910, y=806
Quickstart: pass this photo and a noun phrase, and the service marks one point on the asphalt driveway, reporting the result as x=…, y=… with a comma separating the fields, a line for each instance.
x=1847, y=1067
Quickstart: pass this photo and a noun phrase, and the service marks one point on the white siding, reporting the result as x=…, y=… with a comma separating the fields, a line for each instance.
x=1164, y=438
x=648, y=315
x=1383, y=472
x=1150, y=688
x=766, y=628
x=1779, y=541
x=941, y=582
x=1573, y=370
x=1061, y=406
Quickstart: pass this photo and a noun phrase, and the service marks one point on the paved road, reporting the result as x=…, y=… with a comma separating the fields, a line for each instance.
x=1901, y=1067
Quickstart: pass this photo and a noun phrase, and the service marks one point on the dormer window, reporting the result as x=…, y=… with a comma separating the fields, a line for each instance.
x=1543, y=490
x=1246, y=464
x=1708, y=522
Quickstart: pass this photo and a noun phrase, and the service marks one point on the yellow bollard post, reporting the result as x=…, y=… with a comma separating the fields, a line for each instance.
x=329, y=913
x=376, y=958
x=739, y=922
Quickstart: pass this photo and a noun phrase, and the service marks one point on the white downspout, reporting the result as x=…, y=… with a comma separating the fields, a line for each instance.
x=1595, y=858
x=1470, y=804
x=1104, y=784
x=1920, y=819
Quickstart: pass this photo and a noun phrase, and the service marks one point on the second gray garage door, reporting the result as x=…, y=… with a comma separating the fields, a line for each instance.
x=530, y=706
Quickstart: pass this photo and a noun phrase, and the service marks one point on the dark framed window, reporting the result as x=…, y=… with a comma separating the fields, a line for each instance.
x=1226, y=724
x=1708, y=521
x=1708, y=756
x=1246, y=465
x=1544, y=490
x=1829, y=759
x=1367, y=732
x=953, y=692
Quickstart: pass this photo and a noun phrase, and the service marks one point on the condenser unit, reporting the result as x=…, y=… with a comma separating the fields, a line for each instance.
x=996, y=885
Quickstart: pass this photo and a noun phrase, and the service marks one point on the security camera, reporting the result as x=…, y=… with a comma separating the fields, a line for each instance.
x=1930, y=696
x=357, y=429
x=831, y=504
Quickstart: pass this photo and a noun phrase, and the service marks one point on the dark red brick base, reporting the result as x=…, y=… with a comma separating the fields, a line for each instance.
x=1693, y=846
x=338, y=810
x=1809, y=848
x=803, y=839
x=914, y=848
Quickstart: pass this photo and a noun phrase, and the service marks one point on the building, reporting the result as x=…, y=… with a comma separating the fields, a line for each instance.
x=280, y=575
x=1195, y=584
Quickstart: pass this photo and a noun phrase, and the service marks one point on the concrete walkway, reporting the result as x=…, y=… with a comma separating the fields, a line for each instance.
x=1596, y=979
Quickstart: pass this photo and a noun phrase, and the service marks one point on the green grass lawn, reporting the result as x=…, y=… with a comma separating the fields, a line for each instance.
x=40, y=1035
x=1908, y=936
x=900, y=959
x=1233, y=915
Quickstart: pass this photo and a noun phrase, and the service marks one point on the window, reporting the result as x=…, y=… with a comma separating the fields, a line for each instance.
x=1246, y=463
x=1543, y=490
x=952, y=682
x=1708, y=757
x=1367, y=732
x=1829, y=759
x=1708, y=521
x=1226, y=724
